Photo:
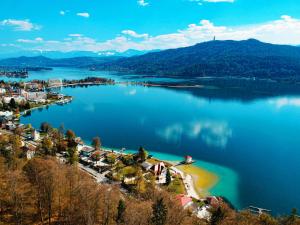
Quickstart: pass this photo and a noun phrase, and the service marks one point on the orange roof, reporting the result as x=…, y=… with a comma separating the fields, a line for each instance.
x=184, y=200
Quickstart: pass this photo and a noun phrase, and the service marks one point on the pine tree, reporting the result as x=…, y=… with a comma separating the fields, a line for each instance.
x=142, y=154
x=160, y=212
x=121, y=212
x=168, y=177
x=13, y=103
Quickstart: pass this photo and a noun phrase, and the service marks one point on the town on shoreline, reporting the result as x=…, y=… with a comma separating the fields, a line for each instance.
x=130, y=171
x=133, y=173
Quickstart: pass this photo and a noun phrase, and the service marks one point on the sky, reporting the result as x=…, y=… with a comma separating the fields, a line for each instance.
x=119, y=25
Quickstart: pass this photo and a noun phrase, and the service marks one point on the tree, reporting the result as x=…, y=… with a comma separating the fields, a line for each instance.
x=142, y=154
x=27, y=105
x=61, y=129
x=96, y=143
x=72, y=155
x=168, y=177
x=70, y=135
x=12, y=103
x=121, y=212
x=47, y=146
x=45, y=127
x=19, y=131
x=217, y=216
x=159, y=212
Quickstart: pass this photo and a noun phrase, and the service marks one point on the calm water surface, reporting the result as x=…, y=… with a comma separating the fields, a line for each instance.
x=253, y=146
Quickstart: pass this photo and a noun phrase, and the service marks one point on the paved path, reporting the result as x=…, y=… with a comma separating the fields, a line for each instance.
x=188, y=183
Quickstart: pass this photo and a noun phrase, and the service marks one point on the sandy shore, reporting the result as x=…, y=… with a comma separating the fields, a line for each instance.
x=201, y=179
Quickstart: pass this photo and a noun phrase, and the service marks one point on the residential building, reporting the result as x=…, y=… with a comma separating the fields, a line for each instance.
x=55, y=83
x=2, y=91
x=35, y=135
x=185, y=201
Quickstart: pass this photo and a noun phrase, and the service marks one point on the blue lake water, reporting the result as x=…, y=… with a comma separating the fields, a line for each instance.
x=253, y=146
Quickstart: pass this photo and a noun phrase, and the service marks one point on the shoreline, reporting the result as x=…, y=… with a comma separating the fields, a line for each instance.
x=197, y=180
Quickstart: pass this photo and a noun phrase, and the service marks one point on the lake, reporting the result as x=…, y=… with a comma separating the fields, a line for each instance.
x=254, y=146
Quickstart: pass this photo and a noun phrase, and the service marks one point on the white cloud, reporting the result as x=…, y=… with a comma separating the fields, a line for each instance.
x=143, y=3
x=285, y=30
x=63, y=12
x=75, y=35
x=20, y=25
x=212, y=133
x=83, y=14
x=36, y=40
x=134, y=34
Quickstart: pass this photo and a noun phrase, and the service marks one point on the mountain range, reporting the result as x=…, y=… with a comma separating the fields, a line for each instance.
x=42, y=61
x=249, y=58
x=4, y=53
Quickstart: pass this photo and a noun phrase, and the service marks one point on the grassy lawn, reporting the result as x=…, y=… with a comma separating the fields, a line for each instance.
x=176, y=186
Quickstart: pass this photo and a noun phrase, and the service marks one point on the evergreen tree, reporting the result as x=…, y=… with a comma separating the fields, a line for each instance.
x=121, y=212
x=168, y=177
x=217, y=216
x=142, y=154
x=13, y=103
x=160, y=212
x=72, y=155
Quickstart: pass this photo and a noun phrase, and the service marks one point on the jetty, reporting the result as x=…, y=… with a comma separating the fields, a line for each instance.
x=258, y=210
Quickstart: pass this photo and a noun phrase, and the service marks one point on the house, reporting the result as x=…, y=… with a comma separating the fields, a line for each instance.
x=188, y=159
x=97, y=155
x=146, y=165
x=35, y=135
x=2, y=91
x=18, y=99
x=29, y=150
x=10, y=126
x=157, y=168
x=6, y=114
x=185, y=201
x=32, y=86
x=35, y=96
x=85, y=150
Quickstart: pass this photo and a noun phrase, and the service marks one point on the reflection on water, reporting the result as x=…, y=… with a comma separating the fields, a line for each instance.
x=259, y=143
x=212, y=133
x=283, y=102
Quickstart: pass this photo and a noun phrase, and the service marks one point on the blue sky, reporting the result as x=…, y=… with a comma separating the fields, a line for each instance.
x=104, y=25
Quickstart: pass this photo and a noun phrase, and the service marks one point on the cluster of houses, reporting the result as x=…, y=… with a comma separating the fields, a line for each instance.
x=97, y=160
x=33, y=92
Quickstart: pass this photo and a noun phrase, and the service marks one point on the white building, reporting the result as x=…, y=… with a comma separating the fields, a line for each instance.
x=34, y=96
x=2, y=91
x=6, y=113
x=18, y=99
x=35, y=135
x=55, y=83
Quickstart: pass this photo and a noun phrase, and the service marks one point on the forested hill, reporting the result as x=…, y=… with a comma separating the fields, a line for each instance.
x=41, y=61
x=249, y=58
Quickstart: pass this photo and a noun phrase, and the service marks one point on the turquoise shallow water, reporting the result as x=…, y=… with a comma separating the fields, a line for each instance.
x=253, y=146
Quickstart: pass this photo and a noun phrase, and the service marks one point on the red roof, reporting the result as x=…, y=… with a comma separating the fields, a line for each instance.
x=188, y=156
x=184, y=200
